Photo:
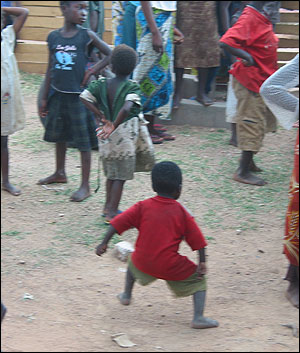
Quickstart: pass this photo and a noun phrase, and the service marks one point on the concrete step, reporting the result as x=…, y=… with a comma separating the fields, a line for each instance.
x=193, y=113
x=287, y=28
x=288, y=40
x=286, y=54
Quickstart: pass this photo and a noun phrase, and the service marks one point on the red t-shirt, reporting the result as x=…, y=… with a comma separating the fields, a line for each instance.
x=253, y=32
x=162, y=223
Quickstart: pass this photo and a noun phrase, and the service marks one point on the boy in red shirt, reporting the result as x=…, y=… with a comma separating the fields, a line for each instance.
x=163, y=223
x=253, y=41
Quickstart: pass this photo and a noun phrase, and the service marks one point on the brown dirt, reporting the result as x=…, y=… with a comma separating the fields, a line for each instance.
x=48, y=252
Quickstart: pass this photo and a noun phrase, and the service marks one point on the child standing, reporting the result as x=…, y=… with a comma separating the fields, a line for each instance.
x=124, y=142
x=253, y=41
x=12, y=111
x=163, y=223
x=66, y=118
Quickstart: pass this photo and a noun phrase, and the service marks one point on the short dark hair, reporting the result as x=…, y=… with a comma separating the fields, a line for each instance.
x=123, y=59
x=166, y=177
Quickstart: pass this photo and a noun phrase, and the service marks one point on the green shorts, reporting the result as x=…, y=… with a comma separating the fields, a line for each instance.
x=183, y=288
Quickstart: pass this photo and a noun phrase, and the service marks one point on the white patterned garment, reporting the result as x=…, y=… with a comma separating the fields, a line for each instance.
x=12, y=109
x=275, y=92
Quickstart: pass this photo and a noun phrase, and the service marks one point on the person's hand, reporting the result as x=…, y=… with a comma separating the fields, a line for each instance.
x=201, y=270
x=43, y=108
x=101, y=249
x=87, y=75
x=157, y=42
x=249, y=61
x=105, y=131
x=178, y=37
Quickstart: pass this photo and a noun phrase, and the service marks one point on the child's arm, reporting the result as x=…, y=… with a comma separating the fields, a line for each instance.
x=240, y=53
x=101, y=248
x=98, y=114
x=110, y=126
x=21, y=14
x=104, y=49
x=201, y=269
x=45, y=91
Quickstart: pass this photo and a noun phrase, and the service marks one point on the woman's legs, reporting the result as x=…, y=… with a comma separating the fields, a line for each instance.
x=59, y=175
x=152, y=131
x=6, y=185
x=178, y=87
x=84, y=191
x=202, y=79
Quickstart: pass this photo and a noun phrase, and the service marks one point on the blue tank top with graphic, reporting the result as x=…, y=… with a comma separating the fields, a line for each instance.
x=69, y=58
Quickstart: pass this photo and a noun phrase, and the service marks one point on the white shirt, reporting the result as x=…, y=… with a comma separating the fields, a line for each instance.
x=164, y=5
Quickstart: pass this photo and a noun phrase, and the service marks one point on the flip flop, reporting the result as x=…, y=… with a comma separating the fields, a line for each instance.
x=156, y=140
x=167, y=137
x=119, y=212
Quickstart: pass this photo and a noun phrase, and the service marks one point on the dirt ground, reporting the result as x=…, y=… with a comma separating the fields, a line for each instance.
x=61, y=297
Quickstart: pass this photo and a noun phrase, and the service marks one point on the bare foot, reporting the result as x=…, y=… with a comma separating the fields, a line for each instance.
x=176, y=102
x=254, y=168
x=54, y=178
x=249, y=179
x=204, y=100
x=292, y=294
x=11, y=189
x=204, y=322
x=124, y=299
x=81, y=194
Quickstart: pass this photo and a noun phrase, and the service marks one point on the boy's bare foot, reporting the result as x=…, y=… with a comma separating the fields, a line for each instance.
x=124, y=299
x=11, y=189
x=249, y=179
x=80, y=195
x=204, y=322
x=254, y=168
x=54, y=178
x=292, y=294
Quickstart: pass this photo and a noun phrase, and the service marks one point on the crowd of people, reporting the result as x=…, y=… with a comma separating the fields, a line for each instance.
x=93, y=97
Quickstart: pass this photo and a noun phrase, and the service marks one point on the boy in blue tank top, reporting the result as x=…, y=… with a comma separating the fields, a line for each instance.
x=64, y=116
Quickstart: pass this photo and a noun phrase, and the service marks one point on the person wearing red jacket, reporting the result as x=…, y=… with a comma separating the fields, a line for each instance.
x=253, y=41
x=163, y=223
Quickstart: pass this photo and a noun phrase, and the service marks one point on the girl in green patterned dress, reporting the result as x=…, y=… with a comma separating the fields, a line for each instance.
x=125, y=145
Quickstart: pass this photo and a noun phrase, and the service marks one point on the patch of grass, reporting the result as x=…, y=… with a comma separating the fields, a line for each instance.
x=11, y=233
x=30, y=83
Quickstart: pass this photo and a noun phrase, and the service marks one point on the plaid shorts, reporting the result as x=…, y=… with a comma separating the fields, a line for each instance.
x=68, y=120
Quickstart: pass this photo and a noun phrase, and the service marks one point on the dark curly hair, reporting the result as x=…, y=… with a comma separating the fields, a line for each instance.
x=123, y=59
x=166, y=178
x=65, y=3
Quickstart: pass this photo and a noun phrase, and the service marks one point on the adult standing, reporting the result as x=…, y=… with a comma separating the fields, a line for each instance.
x=197, y=20
x=155, y=28
x=285, y=106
